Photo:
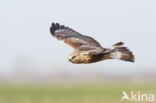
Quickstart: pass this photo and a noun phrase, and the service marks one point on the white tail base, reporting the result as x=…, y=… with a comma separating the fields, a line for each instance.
x=116, y=55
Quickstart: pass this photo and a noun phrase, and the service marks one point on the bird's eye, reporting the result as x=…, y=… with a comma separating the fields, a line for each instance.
x=73, y=57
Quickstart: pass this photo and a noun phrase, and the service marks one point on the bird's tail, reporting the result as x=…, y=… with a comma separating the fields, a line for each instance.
x=120, y=52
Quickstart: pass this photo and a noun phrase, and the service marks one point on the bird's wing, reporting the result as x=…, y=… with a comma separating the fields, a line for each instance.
x=71, y=37
x=85, y=49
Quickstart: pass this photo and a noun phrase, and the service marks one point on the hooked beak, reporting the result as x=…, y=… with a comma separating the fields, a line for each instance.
x=70, y=58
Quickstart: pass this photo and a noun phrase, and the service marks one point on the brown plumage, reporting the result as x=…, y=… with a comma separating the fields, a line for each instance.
x=87, y=49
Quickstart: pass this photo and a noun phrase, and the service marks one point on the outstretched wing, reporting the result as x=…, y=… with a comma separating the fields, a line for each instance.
x=71, y=37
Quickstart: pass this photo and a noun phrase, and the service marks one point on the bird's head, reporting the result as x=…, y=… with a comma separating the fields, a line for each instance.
x=74, y=58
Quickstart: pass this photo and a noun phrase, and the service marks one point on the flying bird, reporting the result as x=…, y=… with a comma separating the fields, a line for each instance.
x=86, y=49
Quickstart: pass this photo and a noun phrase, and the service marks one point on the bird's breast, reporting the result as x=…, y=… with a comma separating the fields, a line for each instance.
x=88, y=58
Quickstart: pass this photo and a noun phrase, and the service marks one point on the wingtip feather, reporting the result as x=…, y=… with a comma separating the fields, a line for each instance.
x=56, y=26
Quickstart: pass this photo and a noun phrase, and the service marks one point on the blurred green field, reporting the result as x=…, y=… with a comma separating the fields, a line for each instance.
x=81, y=93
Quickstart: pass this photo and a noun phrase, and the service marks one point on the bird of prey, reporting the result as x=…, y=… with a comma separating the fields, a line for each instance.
x=86, y=49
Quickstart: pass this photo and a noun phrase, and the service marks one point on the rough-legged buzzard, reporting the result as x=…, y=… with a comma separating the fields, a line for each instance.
x=87, y=49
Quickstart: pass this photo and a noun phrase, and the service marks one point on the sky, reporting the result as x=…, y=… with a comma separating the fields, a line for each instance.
x=25, y=36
